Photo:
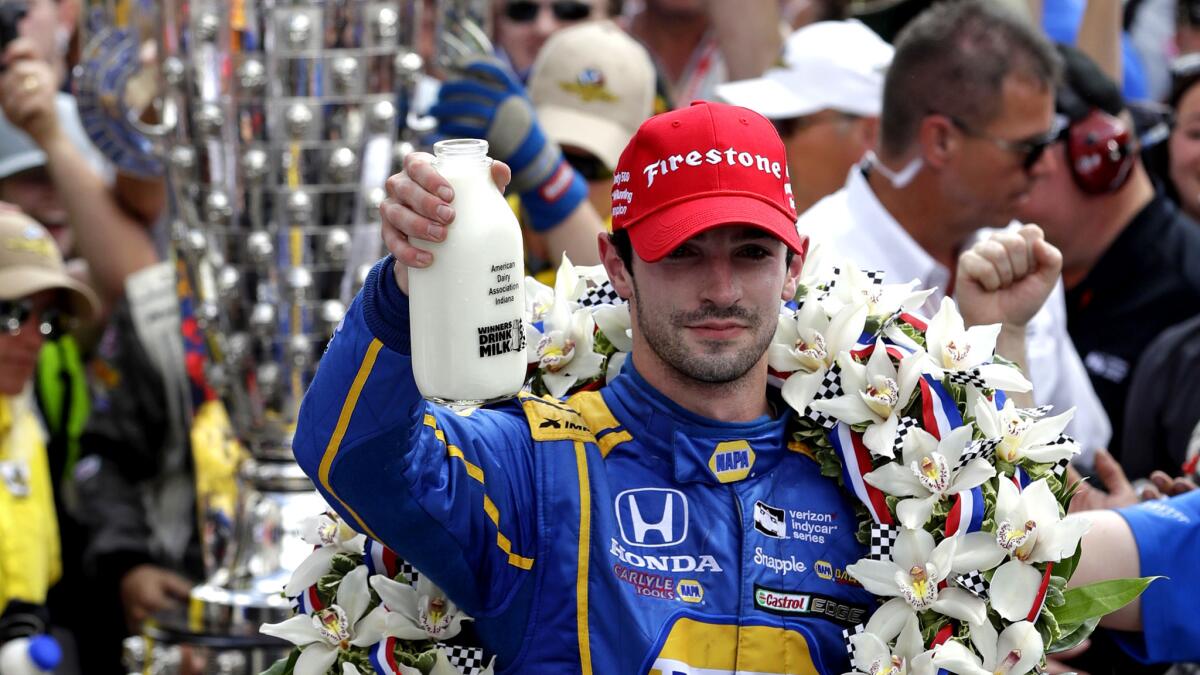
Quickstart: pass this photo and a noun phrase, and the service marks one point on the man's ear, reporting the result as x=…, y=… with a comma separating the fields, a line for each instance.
x=792, y=282
x=618, y=275
x=936, y=140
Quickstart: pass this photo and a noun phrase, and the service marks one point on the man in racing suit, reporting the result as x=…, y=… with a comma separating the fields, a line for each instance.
x=664, y=524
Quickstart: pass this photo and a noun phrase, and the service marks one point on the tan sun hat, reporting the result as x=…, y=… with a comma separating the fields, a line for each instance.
x=30, y=262
x=592, y=85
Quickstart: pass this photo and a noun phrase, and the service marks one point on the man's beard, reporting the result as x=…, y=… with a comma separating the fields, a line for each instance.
x=716, y=365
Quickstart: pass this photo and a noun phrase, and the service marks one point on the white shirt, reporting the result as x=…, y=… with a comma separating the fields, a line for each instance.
x=854, y=224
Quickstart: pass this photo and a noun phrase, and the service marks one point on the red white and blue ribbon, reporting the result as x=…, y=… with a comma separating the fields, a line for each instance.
x=1040, y=598
x=966, y=515
x=1020, y=478
x=938, y=409
x=308, y=602
x=383, y=657
x=856, y=463
x=380, y=559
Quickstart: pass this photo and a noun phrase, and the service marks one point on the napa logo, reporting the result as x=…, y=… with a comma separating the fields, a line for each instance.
x=823, y=569
x=731, y=461
x=690, y=590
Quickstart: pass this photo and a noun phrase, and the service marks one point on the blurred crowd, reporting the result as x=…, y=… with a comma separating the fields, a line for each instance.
x=904, y=148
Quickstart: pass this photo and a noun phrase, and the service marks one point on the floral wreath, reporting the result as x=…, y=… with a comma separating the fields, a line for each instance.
x=962, y=496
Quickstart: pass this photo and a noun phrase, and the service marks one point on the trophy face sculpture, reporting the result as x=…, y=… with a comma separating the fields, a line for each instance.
x=276, y=124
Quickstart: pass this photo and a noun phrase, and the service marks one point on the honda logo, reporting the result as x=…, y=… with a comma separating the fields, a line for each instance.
x=652, y=516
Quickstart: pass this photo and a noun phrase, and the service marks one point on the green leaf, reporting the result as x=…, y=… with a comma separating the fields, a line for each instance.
x=1073, y=635
x=1096, y=600
x=284, y=666
x=1065, y=568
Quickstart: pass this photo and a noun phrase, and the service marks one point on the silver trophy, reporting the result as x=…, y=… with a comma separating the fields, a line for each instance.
x=276, y=123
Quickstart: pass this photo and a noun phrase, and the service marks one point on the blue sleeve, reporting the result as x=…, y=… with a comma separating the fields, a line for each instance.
x=453, y=495
x=1167, y=533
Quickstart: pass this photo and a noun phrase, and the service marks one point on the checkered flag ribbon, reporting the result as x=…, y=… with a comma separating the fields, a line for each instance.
x=876, y=277
x=848, y=633
x=902, y=428
x=971, y=377
x=974, y=583
x=831, y=387
x=984, y=447
x=468, y=660
x=409, y=571
x=1036, y=413
x=883, y=540
x=603, y=294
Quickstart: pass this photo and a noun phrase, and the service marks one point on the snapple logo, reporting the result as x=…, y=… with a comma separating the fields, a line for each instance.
x=782, y=566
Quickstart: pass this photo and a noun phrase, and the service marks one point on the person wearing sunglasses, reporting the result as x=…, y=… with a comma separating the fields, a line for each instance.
x=1128, y=252
x=523, y=26
x=967, y=114
x=36, y=297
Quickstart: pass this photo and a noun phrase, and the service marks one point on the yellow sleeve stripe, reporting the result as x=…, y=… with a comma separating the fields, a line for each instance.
x=609, y=441
x=583, y=551
x=339, y=431
x=489, y=507
x=802, y=448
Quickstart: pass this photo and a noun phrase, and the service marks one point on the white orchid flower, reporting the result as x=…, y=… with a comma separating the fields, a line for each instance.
x=1023, y=436
x=342, y=625
x=1016, y=651
x=564, y=351
x=616, y=324
x=854, y=287
x=874, y=394
x=331, y=535
x=927, y=473
x=563, y=347
x=807, y=344
x=418, y=612
x=954, y=348
x=1030, y=529
x=873, y=657
x=912, y=577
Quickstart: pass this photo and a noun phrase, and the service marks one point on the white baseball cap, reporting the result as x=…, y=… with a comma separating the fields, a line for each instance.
x=592, y=85
x=838, y=65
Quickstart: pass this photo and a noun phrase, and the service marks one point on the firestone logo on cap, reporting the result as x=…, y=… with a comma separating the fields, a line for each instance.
x=701, y=167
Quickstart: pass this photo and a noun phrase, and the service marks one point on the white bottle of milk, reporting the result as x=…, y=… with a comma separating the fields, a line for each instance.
x=467, y=308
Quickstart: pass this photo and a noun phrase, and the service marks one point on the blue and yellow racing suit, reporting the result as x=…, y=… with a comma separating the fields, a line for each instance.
x=613, y=532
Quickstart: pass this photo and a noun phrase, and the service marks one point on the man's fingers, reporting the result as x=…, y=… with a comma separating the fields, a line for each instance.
x=501, y=174
x=1048, y=259
x=21, y=49
x=1111, y=474
x=975, y=268
x=1020, y=257
x=176, y=586
x=996, y=253
x=419, y=167
x=407, y=254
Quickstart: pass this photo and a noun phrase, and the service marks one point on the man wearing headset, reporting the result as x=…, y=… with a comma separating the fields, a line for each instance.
x=1131, y=257
x=968, y=111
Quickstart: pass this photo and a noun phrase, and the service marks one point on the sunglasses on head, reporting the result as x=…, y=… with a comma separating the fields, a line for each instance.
x=525, y=11
x=15, y=313
x=1030, y=150
x=588, y=166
